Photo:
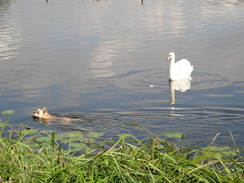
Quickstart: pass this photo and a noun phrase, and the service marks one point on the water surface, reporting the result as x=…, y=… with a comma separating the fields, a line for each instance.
x=98, y=60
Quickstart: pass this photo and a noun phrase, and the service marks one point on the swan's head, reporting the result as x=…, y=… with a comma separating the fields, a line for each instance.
x=171, y=55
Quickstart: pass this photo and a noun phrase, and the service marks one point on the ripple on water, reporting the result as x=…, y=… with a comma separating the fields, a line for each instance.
x=199, y=122
x=206, y=80
x=10, y=36
x=143, y=81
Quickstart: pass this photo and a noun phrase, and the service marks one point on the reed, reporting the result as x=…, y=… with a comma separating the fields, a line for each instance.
x=25, y=159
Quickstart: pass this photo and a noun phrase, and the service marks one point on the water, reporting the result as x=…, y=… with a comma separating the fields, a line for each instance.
x=104, y=62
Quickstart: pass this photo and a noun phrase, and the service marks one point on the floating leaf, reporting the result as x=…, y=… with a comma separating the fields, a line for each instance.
x=79, y=145
x=94, y=134
x=29, y=132
x=67, y=137
x=173, y=134
x=43, y=139
x=34, y=145
x=8, y=112
x=45, y=144
x=74, y=134
x=66, y=141
x=219, y=149
x=226, y=150
x=76, y=139
x=3, y=125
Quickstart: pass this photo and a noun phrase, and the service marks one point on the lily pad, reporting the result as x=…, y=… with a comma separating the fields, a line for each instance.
x=79, y=145
x=2, y=125
x=43, y=139
x=173, y=134
x=94, y=135
x=226, y=150
x=73, y=134
x=8, y=112
x=29, y=132
x=219, y=149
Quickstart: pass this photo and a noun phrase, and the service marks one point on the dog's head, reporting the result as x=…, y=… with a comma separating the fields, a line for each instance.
x=41, y=114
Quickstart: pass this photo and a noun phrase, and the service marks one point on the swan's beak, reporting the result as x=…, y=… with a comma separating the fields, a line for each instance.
x=168, y=57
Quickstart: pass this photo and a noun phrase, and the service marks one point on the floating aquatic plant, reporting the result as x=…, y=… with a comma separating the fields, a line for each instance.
x=8, y=112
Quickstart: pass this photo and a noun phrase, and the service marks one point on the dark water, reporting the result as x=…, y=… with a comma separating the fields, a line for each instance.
x=104, y=62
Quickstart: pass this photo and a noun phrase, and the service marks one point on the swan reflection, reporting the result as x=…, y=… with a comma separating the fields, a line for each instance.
x=179, y=85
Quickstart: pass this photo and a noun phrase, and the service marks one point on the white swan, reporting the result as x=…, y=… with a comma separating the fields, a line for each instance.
x=179, y=70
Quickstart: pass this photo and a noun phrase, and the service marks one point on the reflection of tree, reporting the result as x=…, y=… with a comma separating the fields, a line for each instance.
x=4, y=3
x=179, y=85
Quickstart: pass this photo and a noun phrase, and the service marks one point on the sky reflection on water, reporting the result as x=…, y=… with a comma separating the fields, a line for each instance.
x=103, y=56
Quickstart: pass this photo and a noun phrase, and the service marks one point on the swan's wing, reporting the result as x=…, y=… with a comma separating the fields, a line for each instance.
x=184, y=64
x=181, y=70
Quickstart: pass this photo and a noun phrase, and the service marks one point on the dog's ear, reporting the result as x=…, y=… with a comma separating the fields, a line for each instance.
x=44, y=110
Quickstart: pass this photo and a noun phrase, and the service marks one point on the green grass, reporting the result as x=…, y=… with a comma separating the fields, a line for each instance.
x=29, y=155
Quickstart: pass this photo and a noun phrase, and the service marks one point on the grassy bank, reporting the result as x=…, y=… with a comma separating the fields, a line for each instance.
x=25, y=159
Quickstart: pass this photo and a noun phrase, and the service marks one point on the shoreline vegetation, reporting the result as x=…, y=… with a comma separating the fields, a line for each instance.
x=31, y=155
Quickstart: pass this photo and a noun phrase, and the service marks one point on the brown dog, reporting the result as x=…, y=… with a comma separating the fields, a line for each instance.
x=41, y=114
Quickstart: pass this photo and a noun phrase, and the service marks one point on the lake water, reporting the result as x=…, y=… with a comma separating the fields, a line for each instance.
x=104, y=62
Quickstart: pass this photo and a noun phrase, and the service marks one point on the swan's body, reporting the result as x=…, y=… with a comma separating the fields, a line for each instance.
x=179, y=70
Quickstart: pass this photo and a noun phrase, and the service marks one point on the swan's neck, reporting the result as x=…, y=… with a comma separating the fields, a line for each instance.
x=172, y=62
